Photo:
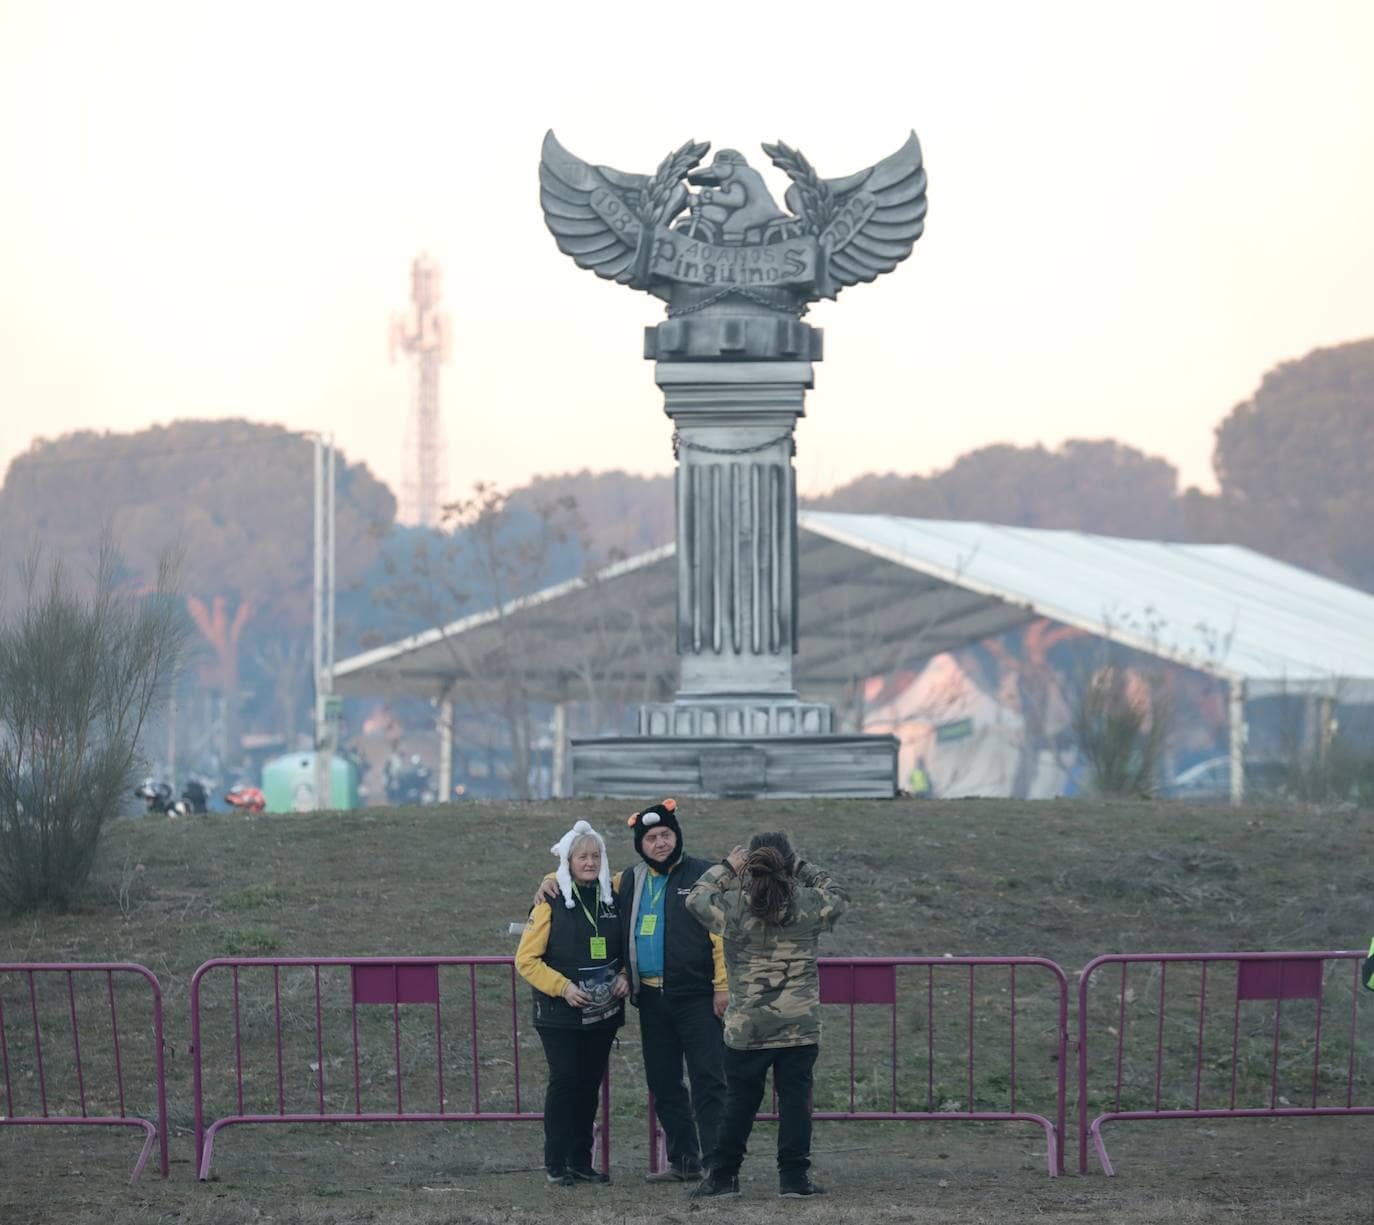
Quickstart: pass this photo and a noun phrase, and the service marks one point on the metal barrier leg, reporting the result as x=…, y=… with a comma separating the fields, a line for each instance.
x=1095, y=1131
x=152, y=1134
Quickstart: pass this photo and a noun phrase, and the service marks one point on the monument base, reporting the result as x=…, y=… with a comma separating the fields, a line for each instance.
x=646, y=767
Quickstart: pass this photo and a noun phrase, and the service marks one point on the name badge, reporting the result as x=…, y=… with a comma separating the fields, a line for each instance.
x=598, y=944
x=648, y=924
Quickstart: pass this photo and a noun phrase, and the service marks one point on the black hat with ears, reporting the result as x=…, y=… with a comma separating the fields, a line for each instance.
x=655, y=817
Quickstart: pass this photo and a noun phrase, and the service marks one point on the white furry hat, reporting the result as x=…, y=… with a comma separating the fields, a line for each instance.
x=563, y=847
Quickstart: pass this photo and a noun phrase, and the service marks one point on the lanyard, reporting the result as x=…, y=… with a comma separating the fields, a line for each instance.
x=654, y=897
x=577, y=893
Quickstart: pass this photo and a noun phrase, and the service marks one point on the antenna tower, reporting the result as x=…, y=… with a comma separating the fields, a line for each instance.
x=424, y=332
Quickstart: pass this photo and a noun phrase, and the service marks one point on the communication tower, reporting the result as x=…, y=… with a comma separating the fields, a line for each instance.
x=423, y=331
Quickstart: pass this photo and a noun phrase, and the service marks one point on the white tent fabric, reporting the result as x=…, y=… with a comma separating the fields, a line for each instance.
x=1221, y=609
x=880, y=594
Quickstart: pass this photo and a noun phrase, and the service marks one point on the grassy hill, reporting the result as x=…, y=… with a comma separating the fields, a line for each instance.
x=1064, y=880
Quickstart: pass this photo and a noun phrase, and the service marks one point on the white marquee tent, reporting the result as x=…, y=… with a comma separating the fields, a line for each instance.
x=881, y=593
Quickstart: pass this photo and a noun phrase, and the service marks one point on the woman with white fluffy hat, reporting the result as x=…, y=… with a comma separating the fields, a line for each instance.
x=572, y=954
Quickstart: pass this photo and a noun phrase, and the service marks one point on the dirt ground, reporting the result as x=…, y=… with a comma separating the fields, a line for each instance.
x=1167, y=1173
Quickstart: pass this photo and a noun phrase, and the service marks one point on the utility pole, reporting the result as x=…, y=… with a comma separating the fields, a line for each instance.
x=424, y=332
x=326, y=704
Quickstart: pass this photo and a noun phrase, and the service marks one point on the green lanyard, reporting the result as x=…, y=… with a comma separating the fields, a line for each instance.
x=648, y=919
x=653, y=897
x=597, y=944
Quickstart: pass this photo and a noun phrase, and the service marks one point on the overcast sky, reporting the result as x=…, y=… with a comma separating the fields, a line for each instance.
x=210, y=210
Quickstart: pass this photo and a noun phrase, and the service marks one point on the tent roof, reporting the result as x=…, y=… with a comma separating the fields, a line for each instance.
x=880, y=593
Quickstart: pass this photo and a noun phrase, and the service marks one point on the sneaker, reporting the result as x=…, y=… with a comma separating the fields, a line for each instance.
x=558, y=1178
x=716, y=1184
x=585, y=1173
x=798, y=1186
x=676, y=1173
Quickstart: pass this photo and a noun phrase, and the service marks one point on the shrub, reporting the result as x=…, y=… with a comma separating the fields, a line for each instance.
x=79, y=672
x=1120, y=724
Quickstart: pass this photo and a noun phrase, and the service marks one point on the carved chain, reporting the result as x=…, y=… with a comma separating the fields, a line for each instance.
x=681, y=444
x=797, y=311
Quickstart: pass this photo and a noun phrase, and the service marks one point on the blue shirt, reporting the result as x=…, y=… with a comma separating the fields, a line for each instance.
x=649, y=949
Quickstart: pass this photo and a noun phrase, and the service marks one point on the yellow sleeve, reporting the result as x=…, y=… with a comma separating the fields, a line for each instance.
x=529, y=957
x=718, y=979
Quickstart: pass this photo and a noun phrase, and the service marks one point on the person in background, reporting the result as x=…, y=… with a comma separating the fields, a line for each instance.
x=572, y=954
x=771, y=909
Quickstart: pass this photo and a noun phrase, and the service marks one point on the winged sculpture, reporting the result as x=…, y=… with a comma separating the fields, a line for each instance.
x=653, y=232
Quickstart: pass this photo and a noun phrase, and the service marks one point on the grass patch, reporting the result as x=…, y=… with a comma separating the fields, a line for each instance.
x=254, y=897
x=1064, y=879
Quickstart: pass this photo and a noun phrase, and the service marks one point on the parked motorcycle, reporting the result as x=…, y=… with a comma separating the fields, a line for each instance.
x=243, y=798
x=408, y=782
x=160, y=798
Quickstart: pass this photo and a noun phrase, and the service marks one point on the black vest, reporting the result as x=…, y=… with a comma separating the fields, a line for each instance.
x=689, y=965
x=569, y=952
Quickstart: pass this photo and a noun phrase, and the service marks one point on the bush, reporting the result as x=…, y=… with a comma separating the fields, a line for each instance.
x=1120, y=724
x=79, y=673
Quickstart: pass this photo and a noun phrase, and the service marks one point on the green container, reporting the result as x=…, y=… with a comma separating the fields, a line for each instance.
x=288, y=783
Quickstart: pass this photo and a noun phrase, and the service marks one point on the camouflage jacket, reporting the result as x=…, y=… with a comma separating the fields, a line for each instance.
x=775, y=997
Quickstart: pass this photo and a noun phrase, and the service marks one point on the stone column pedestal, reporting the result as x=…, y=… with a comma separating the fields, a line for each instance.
x=734, y=383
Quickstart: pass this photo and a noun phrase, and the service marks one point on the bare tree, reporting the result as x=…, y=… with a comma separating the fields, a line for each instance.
x=79, y=674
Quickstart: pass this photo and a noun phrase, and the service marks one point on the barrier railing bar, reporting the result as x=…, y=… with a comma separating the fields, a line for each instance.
x=1235, y=1045
x=238, y=1044
x=892, y=1013
x=114, y=1034
x=851, y=1039
x=1201, y=1023
x=160, y=1070
x=281, y=1069
x=515, y=1035
x=970, y=1037
x=1159, y=1041
x=930, y=1037
x=476, y=1063
x=439, y=1047
x=1012, y=968
x=1120, y=1033
x=5, y=1056
x=38, y=1047
x=319, y=1038
x=396, y=1043
x=1317, y=1041
x=1274, y=1058
x=1354, y=1016
x=357, y=1072
x=76, y=1044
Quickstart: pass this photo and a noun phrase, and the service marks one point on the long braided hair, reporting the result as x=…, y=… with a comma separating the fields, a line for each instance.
x=769, y=885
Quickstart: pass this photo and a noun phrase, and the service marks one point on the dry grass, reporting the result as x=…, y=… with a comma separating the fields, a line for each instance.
x=1062, y=880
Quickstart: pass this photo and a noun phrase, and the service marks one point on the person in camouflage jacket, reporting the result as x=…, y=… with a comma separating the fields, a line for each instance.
x=770, y=908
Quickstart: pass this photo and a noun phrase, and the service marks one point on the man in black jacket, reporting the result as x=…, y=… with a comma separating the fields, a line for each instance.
x=677, y=979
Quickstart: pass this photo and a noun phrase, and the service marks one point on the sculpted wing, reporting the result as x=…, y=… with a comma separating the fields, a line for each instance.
x=592, y=211
x=879, y=214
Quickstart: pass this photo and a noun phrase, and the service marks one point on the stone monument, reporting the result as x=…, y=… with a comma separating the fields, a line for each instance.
x=734, y=359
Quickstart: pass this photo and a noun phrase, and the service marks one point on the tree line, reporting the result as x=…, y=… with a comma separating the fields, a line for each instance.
x=1294, y=466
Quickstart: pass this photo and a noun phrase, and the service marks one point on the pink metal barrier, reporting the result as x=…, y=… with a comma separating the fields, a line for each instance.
x=1217, y=1035
x=342, y=1040
x=962, y=1030
x=54, y=1079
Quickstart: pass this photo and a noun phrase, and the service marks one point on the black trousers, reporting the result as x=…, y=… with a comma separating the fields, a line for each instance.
x=746, y=1074
x=577, y=1062
x=673, y=1029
